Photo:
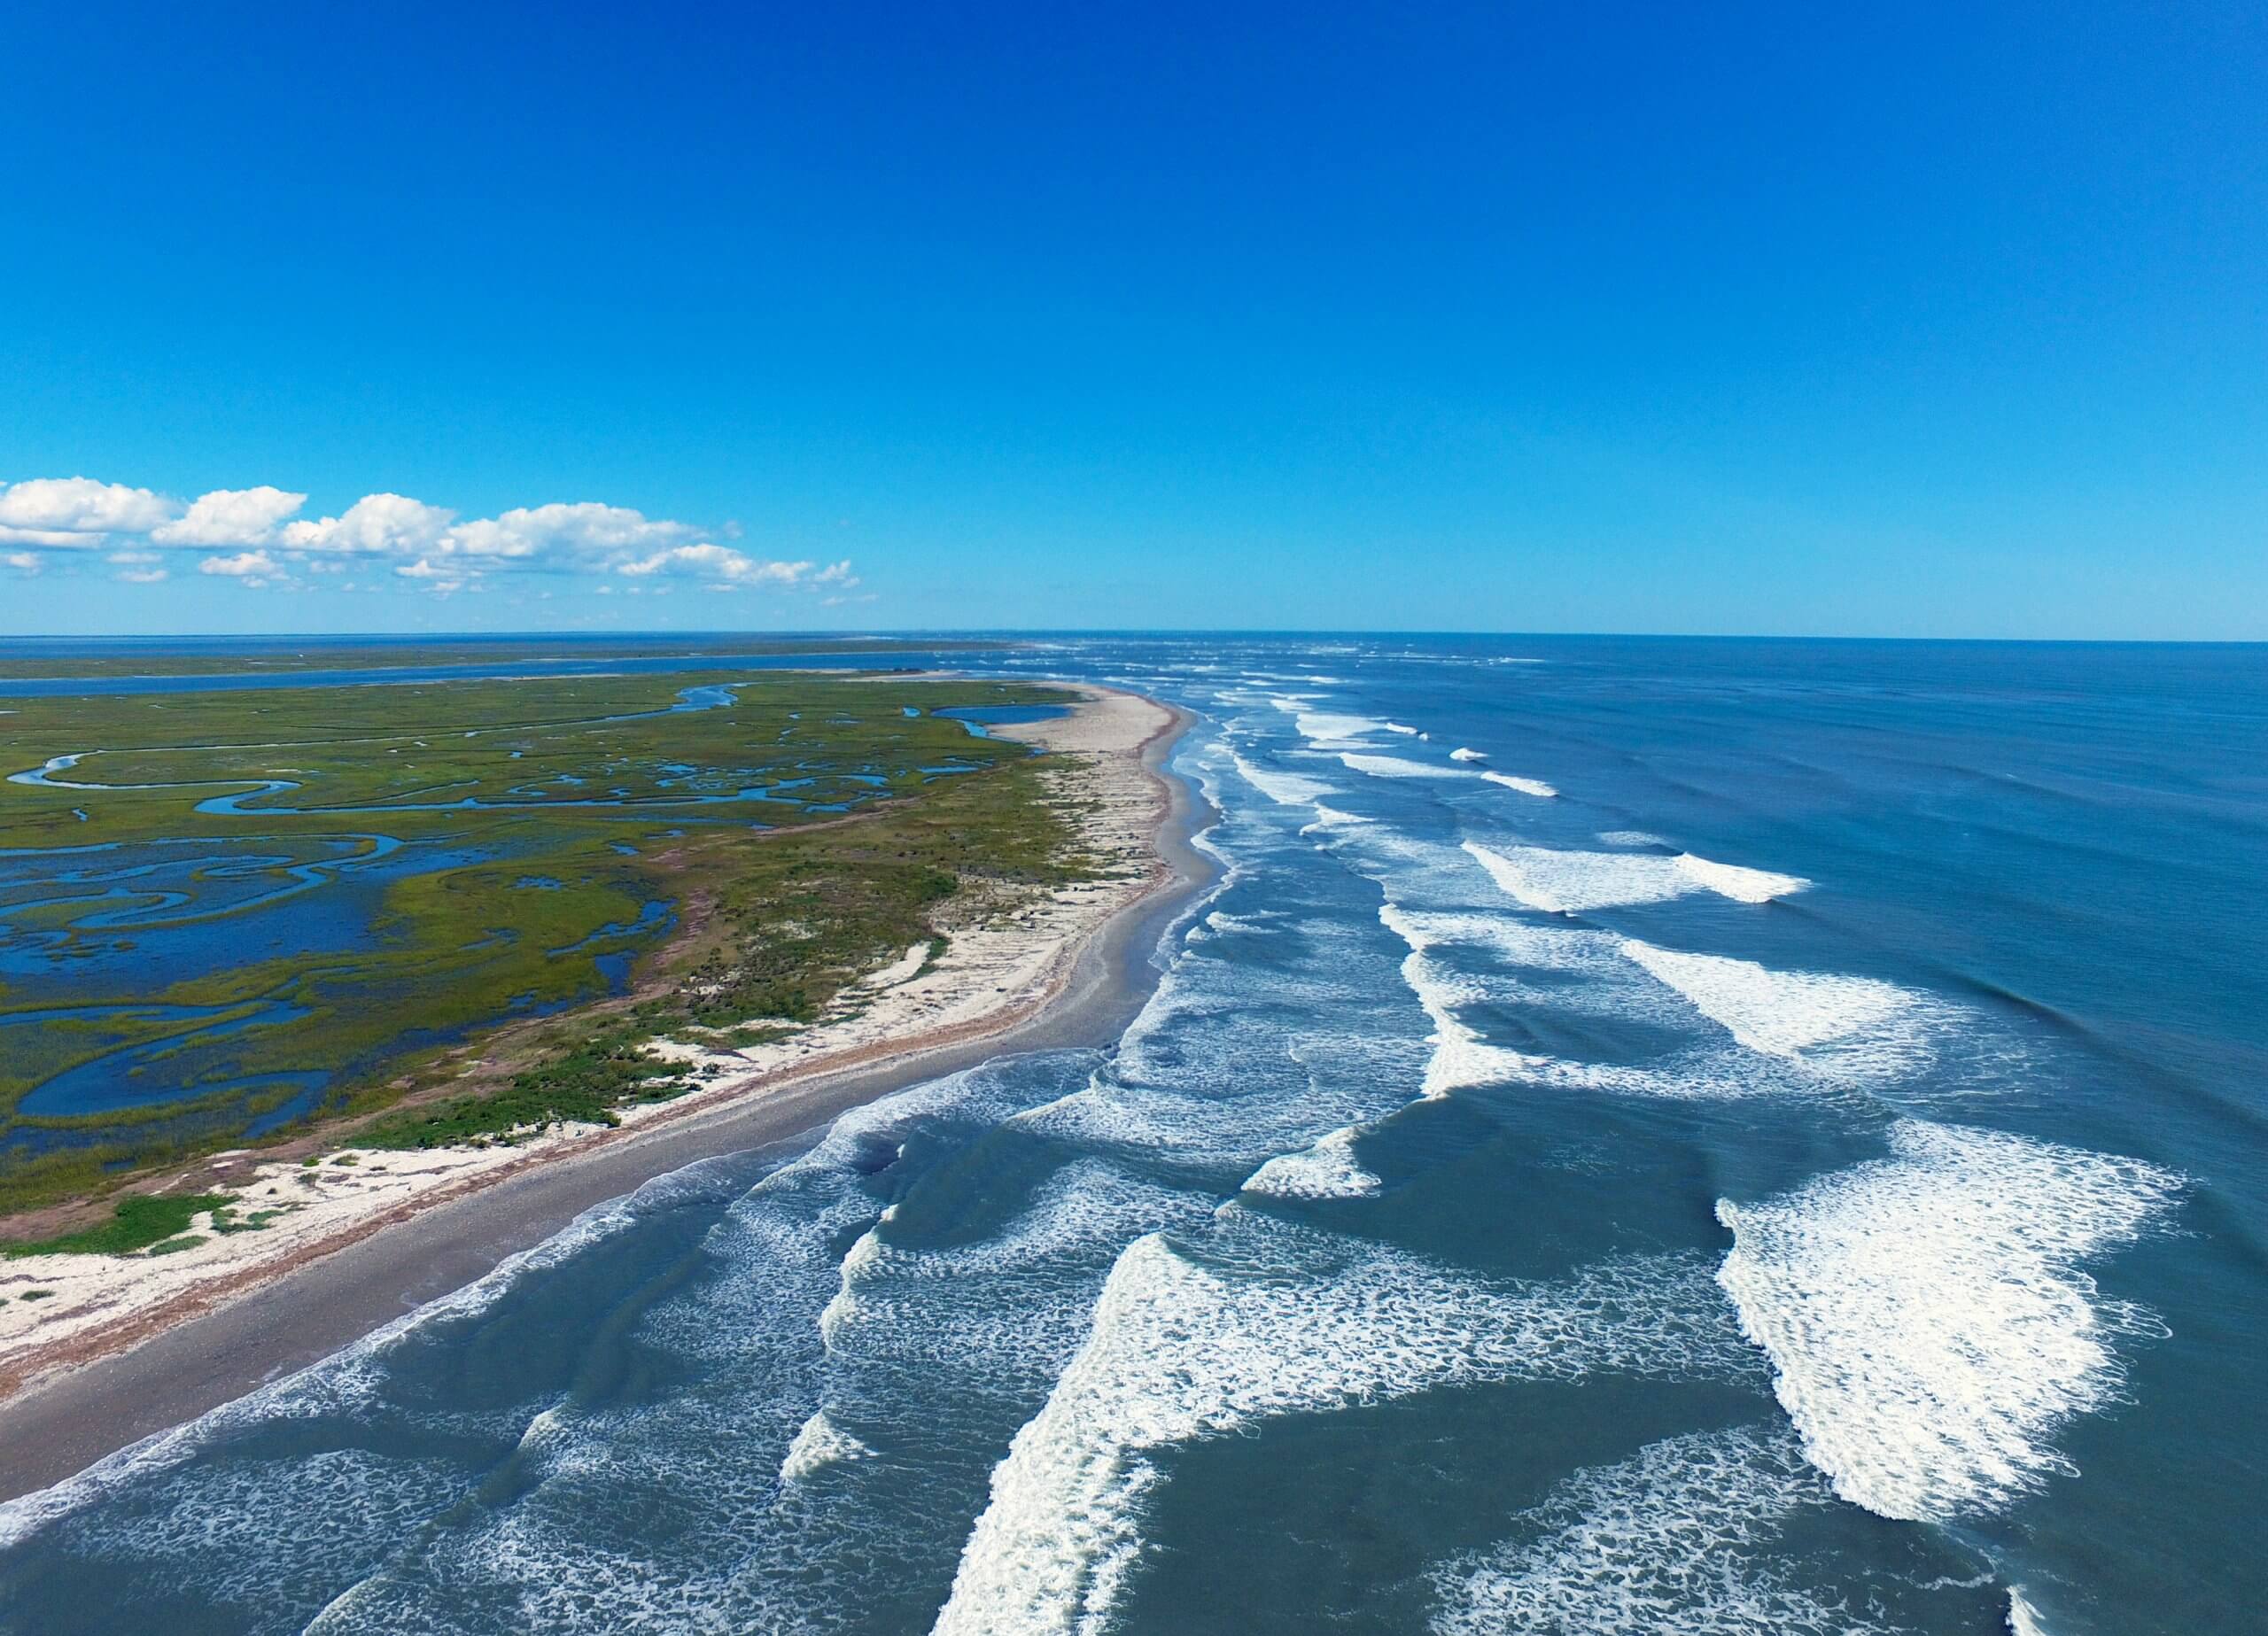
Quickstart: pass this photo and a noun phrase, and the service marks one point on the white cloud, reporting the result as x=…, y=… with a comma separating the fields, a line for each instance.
x=139, y=567
x=583, y=528
x=439, y=580
x=230, y=518
x=257, y=538
x=724, y=567
x=76, y=511
x=392, y=523
x=251, y=565
x=12, y=536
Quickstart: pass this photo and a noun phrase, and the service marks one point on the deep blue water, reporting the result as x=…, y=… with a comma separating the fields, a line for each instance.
x=1786, y=1154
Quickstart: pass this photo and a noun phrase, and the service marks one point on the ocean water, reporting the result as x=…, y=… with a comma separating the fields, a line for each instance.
x=1642, y=1137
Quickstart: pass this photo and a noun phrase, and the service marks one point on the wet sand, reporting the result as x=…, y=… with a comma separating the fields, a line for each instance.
x=67, y=1422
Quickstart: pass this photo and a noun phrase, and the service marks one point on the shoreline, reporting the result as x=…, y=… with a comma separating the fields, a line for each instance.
x=168, y=1365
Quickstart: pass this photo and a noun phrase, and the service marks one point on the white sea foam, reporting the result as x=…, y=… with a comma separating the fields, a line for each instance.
x=339, y=1385
x=820, y=1444
x=1526, y=787
x=1201, y=1079
x=1745, y=885
x=1396, y=767
x=1325, y=730
x=1399, y=767
x=1570, y=882
x=1631, y=838
x=1561, y=882
x=1006, y=1308
x=1675, y=1539
x=1927, y=1316
x=1278, y=1319
x=1466, y=753
x=1609, y=984
x=1395, y=726
x=1327, y=1170
x=1328, y=819
x=2023, y=1618
x=1286, y=789
x=1462, y=1058
x=1821, y=1019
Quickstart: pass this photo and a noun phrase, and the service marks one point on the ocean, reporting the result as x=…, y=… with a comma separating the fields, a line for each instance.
x=1643, y=1134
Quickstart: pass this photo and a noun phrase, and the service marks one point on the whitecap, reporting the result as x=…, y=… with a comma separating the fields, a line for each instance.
x=1396, y=767
x=819, y=1444
x=1286, y=789
x=1526, y=787
x=1926, y=1312
x=1822, y=1019
x=1675, y=1539
x=1327, y=1170
x=2023, y=1618
x=1572, y=882
x=1745, y=885
x=1329, y=731
x=1276, y=1320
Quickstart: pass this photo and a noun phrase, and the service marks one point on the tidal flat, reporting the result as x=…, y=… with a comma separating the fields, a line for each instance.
x=448, y=911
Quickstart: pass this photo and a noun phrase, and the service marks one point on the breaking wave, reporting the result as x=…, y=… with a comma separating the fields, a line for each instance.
x=1526, y=787
x=1677, y=1539
x=1927, y=1316
x=1565, y=882
x=1271, y=1321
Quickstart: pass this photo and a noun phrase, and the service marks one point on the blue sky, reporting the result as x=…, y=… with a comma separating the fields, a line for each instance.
x=1935, y=321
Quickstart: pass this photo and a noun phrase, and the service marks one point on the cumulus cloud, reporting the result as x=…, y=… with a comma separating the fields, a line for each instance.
x=230, y=518
x=584, y=528
x=76, y=511
x=390, y=523
x=140, y=575
x=723, y=566
x=257, y=538
x=248, y=565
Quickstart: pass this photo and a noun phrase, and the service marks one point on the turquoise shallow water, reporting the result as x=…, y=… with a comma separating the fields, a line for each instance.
x=1784, y=1154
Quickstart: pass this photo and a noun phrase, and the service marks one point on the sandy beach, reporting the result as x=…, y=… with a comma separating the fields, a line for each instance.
x=126, y=1346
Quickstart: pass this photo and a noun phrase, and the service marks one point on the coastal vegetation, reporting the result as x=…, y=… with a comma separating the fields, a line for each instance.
x=101, y=661
x=454, y=911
